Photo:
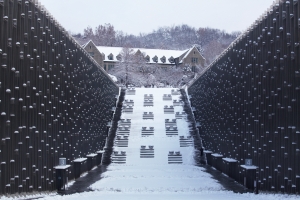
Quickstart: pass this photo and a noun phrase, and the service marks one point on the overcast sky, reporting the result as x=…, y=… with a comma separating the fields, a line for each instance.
x=144, y=16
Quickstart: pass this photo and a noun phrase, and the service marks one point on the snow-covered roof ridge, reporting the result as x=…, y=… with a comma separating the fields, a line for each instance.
x=160, y=53
x=195, y=46
x=84, y=45
x=191, y=49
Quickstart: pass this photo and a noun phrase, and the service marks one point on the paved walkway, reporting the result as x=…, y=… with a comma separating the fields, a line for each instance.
x=227, y=182
x=154, y=151
x=83, y=183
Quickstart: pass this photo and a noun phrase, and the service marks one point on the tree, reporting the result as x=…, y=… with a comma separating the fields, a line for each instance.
x=151, y=80
x=121, y=39
x=179, y=37
x=105, y=35
x=213, y=50
x=124, y=67
x=89, y=33
x=133, y=69
x=144, y=67
x=171, y=76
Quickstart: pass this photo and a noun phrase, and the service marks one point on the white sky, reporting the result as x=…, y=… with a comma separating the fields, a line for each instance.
x=144, y=16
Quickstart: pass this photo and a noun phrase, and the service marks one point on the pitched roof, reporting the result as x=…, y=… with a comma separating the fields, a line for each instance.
x=81, y=41
x=84, y=45
x=189, y=51
x=151, y=52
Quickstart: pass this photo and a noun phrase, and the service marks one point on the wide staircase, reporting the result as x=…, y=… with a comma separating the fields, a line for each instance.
x=154, y=149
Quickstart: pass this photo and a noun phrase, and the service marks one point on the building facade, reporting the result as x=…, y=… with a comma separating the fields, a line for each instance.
x=108, y=57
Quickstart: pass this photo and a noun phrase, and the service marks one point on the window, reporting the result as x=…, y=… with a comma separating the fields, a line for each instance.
x=194, y=60
x=155, y=59
x=91, y=54
x=110, y=56
x=193, y=68
x=163, y=59
x=147, y=58
x=90, y=47
x=110, y=66
x=171, y=59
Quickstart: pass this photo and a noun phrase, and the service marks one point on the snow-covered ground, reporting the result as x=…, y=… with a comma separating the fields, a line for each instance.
x=113, y=78
x=154, y=178
x=148, y=175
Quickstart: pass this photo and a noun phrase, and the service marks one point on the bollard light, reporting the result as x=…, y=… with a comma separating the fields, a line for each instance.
x=15, y=23
x=4, y=57
x=29, y=14
x=9, y=42
x=21, y=55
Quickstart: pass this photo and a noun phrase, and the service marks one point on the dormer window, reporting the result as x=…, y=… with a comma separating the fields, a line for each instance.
x=163, y=59
x=147, y=58
x=171, y=59
x=119, y=57
x=110, y=56
x=155, y=59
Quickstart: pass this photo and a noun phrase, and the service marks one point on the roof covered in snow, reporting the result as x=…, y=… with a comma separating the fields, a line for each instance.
x=115, y=51
x=194, y=48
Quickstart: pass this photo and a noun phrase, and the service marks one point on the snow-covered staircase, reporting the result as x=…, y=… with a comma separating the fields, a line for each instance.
x=153, y=148
x=138, y=127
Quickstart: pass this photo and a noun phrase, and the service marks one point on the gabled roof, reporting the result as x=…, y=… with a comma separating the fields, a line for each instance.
x=109, y=50
x=150, y=52
x=191, y=49
x=161, y=53
x=81, y=40
x=84, y=45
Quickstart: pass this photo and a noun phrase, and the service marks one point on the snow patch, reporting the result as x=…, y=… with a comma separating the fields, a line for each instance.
x=113, y=78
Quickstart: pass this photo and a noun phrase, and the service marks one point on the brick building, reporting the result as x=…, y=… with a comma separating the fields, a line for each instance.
x=107, y=57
